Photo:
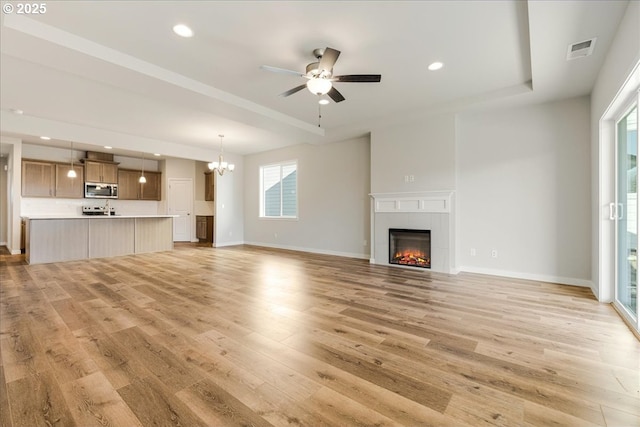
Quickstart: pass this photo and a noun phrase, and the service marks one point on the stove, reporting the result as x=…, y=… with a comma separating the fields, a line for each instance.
x=98, y=210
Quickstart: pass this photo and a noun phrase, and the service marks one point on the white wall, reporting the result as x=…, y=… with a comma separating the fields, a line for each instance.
x=524, y=190
x=14, y=184
x=333, y=204
x=4, y=199
x=623, y=55
x=229, y=204
x=424, y=149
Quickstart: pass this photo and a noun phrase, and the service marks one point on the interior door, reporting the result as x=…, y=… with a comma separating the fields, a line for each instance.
x=180, y=200
x=625, y=213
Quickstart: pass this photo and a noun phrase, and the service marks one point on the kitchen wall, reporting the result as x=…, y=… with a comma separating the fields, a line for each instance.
x=202, y=206
x=333, y=203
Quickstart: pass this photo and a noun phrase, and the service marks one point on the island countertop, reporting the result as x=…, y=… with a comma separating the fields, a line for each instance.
x=72, y=216
x=55, y=238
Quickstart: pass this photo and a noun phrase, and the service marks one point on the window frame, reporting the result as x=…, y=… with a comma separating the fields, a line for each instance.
x=261, y=207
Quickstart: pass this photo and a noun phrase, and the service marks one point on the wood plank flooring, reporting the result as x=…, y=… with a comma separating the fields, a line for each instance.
x=248, y=336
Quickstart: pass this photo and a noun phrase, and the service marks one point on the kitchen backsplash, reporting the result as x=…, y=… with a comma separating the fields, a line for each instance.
x=42, y=206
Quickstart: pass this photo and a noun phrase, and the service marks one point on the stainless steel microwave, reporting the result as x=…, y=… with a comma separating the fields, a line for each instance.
x=94, y=190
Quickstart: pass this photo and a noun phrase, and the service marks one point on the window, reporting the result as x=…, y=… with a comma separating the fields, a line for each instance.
x=279, y=190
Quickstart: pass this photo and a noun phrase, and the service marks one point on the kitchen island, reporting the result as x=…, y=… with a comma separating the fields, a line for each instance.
x=68, y=238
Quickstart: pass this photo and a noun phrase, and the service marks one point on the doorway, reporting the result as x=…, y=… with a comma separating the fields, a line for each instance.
x=180, y=202
x=625, y=214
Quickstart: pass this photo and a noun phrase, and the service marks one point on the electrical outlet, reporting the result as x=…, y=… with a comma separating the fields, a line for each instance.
x=275, y=235
x=494, y=253
x=473, y=251
x=411, y=178
x=406, y=178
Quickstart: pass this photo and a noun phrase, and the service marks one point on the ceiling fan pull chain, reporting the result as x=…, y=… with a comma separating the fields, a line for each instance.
x=319, y=114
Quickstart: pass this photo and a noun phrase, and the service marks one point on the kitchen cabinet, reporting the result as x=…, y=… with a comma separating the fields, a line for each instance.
x=204, y=228
x=151, y=190
x=70, y=188
x=101, y=172
x=209, y=185
x=48, y=179
x=129, y=188
x=38, y=178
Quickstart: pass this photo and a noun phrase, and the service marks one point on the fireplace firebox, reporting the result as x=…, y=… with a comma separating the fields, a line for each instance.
x=410, y=247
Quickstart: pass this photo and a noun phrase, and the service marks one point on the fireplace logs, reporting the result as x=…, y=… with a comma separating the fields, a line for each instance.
x=410, y=247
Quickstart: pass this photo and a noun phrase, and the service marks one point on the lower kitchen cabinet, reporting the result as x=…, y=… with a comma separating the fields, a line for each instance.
x=204, y=228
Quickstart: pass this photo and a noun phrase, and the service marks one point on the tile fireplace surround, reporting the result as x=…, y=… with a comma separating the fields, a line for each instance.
x=429, y=210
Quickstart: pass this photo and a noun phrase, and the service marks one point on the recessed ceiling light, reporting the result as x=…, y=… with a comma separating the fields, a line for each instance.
x=156, y=154
x=435, y=66
x=46, y=138
x=182, y=30
x=323, y=102
x=108, y=147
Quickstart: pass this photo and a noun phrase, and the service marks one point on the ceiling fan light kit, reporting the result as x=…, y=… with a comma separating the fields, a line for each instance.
x=320, y=75
x=319, y=86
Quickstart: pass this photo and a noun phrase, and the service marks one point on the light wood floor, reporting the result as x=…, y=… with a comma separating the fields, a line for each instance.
x=250, y=336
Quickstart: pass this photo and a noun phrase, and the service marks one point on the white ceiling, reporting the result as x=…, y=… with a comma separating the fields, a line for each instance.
x=96, y=71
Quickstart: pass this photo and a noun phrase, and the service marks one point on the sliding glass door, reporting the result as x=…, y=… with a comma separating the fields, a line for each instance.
x=625, y=212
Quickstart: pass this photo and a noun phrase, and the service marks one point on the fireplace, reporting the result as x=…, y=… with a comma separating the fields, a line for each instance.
x=410, y=247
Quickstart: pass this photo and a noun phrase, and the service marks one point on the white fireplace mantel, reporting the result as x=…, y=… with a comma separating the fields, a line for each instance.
x=427, y=202
x=428, y=210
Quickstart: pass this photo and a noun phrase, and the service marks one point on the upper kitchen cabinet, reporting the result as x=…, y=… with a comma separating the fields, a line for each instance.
x=71, y=188
x=48, y=179
x=101, y=171
x=38, y=179
x=209, y=186
x=151, y=189
x=129, y=188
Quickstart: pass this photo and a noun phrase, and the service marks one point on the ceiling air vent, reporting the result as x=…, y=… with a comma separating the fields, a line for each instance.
x=581, y=49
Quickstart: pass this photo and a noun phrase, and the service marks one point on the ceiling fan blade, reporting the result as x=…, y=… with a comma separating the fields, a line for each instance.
x=358, y=78
x=335, y=95
x=329, y=58
x=281, y=70
x=294, y=90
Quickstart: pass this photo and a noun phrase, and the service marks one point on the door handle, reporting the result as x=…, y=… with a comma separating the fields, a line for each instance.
x=621, y=211
x=612, y=211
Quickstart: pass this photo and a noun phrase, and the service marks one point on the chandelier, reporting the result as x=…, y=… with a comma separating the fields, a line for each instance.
x=221, y=166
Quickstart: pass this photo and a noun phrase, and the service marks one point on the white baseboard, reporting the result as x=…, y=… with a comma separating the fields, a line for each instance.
x=311, y=250
x=223, y=244
x=572, y=281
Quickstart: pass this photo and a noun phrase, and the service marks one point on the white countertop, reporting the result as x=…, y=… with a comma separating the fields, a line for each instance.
x=71, y=216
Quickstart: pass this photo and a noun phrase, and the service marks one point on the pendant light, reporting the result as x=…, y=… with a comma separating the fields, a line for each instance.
x=72, y=173
x=142, y=179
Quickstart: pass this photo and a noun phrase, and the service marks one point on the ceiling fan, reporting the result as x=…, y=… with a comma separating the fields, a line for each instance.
x=320, y=76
